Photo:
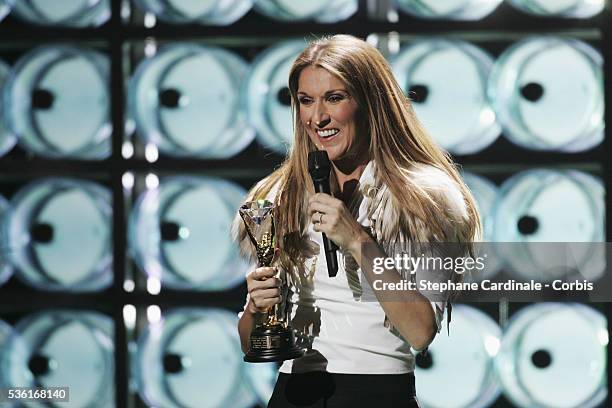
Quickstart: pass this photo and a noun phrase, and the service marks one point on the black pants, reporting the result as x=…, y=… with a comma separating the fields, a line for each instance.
x=326, y=390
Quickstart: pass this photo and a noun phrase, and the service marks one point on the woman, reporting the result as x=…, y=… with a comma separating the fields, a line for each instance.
x=390, y=184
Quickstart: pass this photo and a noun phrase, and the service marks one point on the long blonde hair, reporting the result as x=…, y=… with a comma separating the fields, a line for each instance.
x=397, y=142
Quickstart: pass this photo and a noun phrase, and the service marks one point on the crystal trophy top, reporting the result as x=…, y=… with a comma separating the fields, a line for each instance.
x=258, y=217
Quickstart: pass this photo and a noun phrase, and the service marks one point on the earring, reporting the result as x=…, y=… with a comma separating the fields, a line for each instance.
x=308, y=123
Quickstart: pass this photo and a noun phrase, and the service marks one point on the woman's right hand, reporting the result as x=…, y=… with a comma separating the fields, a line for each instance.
x=264, y=289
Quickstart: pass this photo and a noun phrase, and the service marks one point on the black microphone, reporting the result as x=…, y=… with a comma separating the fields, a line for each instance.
x=319, y=168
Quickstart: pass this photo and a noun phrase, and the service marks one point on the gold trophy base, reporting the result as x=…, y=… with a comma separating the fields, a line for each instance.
x=272, y=343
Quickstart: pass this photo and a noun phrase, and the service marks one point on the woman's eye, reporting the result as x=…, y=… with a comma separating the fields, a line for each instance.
x=304, y=101
x=335, y=98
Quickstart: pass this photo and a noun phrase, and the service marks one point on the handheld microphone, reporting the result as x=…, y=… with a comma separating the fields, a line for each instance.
x=319, y=168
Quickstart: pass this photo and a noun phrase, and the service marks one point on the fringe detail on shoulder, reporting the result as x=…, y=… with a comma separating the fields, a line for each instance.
x=393, y=222
x=398, y=231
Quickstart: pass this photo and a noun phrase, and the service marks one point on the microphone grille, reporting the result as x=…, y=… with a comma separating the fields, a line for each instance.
x=319, y=165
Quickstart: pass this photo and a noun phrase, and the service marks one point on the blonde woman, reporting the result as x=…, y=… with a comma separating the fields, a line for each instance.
x=390, y=183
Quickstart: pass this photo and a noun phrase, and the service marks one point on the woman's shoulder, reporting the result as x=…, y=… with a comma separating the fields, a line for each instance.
x=441, y=187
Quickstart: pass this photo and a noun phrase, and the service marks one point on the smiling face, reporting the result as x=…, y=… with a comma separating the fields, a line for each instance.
x=328, y=112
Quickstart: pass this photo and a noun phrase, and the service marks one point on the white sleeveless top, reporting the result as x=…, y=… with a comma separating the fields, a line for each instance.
x=344, y=333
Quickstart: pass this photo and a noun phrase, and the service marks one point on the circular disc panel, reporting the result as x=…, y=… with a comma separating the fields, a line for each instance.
x=267, y=97
x=547, y=206
x=7, y=138
x=322, y=11
x=50, y=115
x=6, y=270
x=186, y=100
x=192, y=358
x=448, y=9
x=453, y=104
x=530, y=94
x=5, y=7
x=485, y=194
x=554, y=355
x=197, y=11
x=59, y=234
x=560, y=8
x=180, y=232
x=64, y=349
x=463, y=362
x=71, y=13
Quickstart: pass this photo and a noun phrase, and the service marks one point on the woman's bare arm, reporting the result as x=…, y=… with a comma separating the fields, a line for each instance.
x=409, y=311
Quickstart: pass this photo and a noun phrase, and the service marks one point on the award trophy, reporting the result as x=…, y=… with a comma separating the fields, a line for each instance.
x=273, y=339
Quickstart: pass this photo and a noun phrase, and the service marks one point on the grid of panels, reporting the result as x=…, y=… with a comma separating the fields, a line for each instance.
x=119, y=39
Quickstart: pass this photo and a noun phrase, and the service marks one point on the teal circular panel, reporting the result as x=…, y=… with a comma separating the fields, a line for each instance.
x=59, y=234
x=554, y=355
x=68, y=13
x=542, y=206
x=451, y=104
x=448, y=9
x=186, y=101
x=560, y=8
x=5, y=8
x=542, y=107
x=6, y=270
x=7, y=138
x=485, y=194
x=64, y=348
x=463, y=362
x=267, y=97
x=321, y=11
x=50, y=115
x=180, y=233
x=6, y=332
x=211, y=12
x=192, y=358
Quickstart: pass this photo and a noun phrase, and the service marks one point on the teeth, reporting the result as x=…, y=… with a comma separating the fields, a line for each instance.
x=327, y=133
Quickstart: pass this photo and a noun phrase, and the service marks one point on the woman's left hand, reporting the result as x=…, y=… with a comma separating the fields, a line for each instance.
x=330, y=215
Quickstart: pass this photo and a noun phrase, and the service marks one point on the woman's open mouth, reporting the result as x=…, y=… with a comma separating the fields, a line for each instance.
x=327, y=134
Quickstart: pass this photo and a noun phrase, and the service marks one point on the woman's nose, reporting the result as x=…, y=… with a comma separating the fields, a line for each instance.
x=322, y=123
x=320, y=116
